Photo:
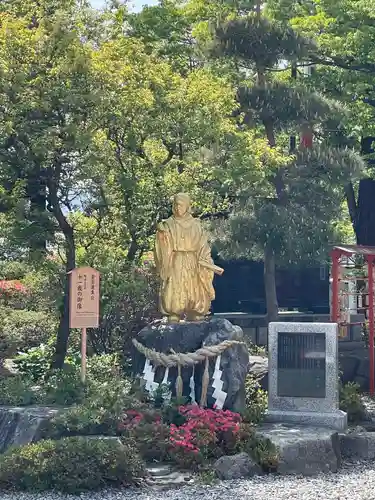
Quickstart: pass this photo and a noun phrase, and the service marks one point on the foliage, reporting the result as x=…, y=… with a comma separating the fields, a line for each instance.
x=101, y=411
x=207, y=477
x=343, y=33
x=305, y=183
x=203, y=436
x=61, y=388
x=256, y=401
x=128, y=302
x=12, y=292
x=200, y=436
x=262, y=450
x=70, y=465
x=256, y=350
x=149, y=433
x=17, y=391
x=351, y=402
x=95, y=416
x=104, y=392
x=35, y=362
x=341, y=68
x=21, y=329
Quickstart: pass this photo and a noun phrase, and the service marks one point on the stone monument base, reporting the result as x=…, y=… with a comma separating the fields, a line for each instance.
x=303, y=450
x=333, y=420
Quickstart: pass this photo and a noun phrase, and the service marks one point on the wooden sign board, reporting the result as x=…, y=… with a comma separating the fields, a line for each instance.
x=84, y=298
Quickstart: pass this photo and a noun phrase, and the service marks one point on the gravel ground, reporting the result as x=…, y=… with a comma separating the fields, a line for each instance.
x=353, y=482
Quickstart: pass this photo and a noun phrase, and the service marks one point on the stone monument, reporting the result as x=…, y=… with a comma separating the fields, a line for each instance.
x=303, y=375
x=202, y=359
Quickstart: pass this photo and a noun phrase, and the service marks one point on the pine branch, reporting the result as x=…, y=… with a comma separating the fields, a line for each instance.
x=368, y=68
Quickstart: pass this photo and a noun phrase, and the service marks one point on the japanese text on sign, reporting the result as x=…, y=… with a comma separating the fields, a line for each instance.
x=84, y=298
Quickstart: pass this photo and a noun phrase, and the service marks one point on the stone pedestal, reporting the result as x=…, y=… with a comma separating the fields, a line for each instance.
x=188, y=337
x=303, y=375
x=303, y=450
x=334, y=420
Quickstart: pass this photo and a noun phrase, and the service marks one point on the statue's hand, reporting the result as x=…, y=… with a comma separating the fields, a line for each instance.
x=161, y=226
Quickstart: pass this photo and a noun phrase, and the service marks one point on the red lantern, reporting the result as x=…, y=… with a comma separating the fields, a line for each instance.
x=307, y=137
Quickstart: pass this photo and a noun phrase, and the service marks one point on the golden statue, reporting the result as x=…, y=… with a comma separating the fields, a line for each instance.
x=183, y=261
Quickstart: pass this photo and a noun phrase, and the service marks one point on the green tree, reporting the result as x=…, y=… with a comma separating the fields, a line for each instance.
x=343, y=32
x=46, y=97
x=110, y=131
x=302, y=193
x=156, y=136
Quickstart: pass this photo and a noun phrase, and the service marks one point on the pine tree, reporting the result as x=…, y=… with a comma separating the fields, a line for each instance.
x=292, y=216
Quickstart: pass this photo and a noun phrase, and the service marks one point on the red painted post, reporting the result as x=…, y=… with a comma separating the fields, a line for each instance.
x=335, y=309
x=370, y=265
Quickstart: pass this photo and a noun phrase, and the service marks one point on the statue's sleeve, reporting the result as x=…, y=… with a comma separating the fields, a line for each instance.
x=163, y=250
x=206, y=275
x=205, y=250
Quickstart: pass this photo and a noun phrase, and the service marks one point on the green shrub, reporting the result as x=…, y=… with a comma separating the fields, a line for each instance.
x=70, y=465
x=21, y=329
x=17, y=391
x=103, y=367
x=256, y=401
x=82, y=420
x=35, y=363
x=13, y=270
x=262, y=450
x=351, y=402
x=128, y=303
x=100, y=412
x=105, y=390
x=63, y=387
x=145, y=427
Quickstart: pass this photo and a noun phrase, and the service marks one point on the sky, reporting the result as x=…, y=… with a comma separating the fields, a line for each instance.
x=136, y=4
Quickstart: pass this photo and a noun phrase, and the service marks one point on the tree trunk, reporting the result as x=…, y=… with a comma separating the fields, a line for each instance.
x=61, y=345
x=269, y=256
x=132, y=251
x=362, y=211
x=36, y=192
x=365, y=210
x=270, y=284
x=365, y=213
x=62, y=339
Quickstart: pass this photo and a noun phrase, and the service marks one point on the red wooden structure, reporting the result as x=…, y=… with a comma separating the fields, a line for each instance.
x=365, y=266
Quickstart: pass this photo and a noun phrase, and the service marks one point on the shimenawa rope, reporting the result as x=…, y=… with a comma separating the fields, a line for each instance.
x=187, y=359
x=184, y=358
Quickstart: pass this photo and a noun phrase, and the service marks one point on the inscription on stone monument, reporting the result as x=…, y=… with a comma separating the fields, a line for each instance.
x=301, y=365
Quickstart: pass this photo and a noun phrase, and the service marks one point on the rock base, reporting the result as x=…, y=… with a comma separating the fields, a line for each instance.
x=307, y=451
x=20, y=426
x=189, y=337
x=358, y=445
x=236, y=467
x=166, y=477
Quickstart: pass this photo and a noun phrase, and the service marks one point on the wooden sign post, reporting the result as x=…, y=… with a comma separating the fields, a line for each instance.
x=84, y=306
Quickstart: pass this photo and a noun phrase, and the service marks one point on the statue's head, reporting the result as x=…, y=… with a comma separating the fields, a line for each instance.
x=181, y=204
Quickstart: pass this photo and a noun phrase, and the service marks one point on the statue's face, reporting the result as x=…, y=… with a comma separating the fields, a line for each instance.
x=180, y=207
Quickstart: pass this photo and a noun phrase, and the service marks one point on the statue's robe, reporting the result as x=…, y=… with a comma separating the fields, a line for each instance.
x=181, y=243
